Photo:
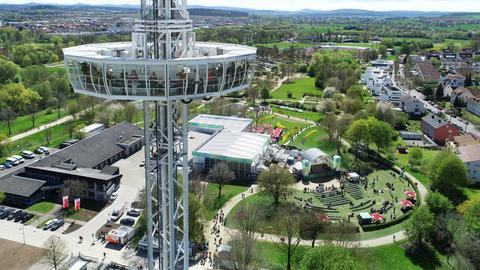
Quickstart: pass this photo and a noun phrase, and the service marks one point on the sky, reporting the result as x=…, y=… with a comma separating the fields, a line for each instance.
x=417, y=5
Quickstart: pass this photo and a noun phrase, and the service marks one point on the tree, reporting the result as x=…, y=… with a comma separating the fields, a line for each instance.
x=328, y=257
x=247, y=220
x=290, y=235
x=352, y=106
x=415, y=157
x=61, y=91
x=342, y=124
x=472, y=219
x=329, y=121
x=73, y=110
x=328, y=105
x=420, y=226
x=276, y=182
x=32, y=104
x=448, y=174
x=439, y=204
x=3, y=144
x=264, y=94
x=195, y=218
x=311, y=225
x=55, y=252
x=8, y=71
x=384, y=112
x=47, y=134
x=382, y=51
x=221, y=175
x=13, y=99
x=129, y=111
x=343, y=234
x=44, y=90
x=358, y=133
x=381, y=134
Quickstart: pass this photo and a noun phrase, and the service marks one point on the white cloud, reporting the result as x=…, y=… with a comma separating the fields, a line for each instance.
x=421, y=5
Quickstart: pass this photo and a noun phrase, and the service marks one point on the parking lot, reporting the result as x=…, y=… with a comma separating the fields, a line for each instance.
x=27, y=162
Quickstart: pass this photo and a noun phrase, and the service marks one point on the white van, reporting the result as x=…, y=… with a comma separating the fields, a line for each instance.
x=28, y=154
x=19, y=158
x=13, y=161
x=116, y=214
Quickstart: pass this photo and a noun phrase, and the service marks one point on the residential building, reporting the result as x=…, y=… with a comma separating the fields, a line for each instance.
x=460, y=141
x=473, y=105
x=461, y=96
x=427, y=72
x=391, y=94
x=470, y=155
x=453, y=80
x=412, y=105
x=438, y=129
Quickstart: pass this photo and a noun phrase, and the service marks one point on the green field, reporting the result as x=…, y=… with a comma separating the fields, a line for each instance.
x=474, y=119
x=389, y=257
x=419, y=173
x=211, y=201
x=24, y=123
x=291, y=127
x=316, y=137
x=42, y=207
x=307, y=115
x=298, y=88
x=286, y=45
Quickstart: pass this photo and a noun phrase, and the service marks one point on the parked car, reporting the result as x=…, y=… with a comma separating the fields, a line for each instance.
x=127, y=222
x=7, y=165
x=45, y=150
x=5, y=213
x=19, y=216
x=116, y=214
x=26, y=217
x=49, y=224
x=142, y=164
x=133, y=213
x=12, y=214
x=28, y=154
x=113, y=197
x=19, y=158
x=2, y=167
x=39, y=151
x=57, y=224
x=13, y=161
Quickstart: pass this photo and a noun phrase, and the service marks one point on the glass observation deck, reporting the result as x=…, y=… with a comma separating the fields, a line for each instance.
x=110, y=71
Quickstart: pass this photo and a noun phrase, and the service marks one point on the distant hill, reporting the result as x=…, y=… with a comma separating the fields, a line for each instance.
x=223, y=11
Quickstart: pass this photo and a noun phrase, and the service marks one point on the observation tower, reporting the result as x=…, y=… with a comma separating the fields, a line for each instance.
x=166, y=68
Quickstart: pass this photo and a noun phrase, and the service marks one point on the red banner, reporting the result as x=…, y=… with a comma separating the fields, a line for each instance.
x=65, y=202
x=77, y=204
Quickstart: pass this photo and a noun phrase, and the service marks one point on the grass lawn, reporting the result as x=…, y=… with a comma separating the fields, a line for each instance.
x=82, y=215
x=291, y=126
x=286, y=45
x=474, y=119
x=298, y=88
x=316, y=137
x=307, y=115
x=211, y=201
x=420, y=174
x=24, y=123
x=42, y=207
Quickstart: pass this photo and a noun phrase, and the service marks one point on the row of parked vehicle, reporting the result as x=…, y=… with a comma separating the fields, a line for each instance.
x=54, y=224
x=14, y=214
x=19, y=159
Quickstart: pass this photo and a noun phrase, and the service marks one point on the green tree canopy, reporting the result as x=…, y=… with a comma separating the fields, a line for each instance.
x=415, y=157
x=472, y=218
x=448, y=174
x=276, y=182
x=438, y=203
x=420, y=225
x=328, y=257
x=8, y=71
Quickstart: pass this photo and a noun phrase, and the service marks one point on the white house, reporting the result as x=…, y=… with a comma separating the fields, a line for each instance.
x=470, y=155
x=412, y=105
x=391, y=94
x=453, y=80
x=473, y=105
